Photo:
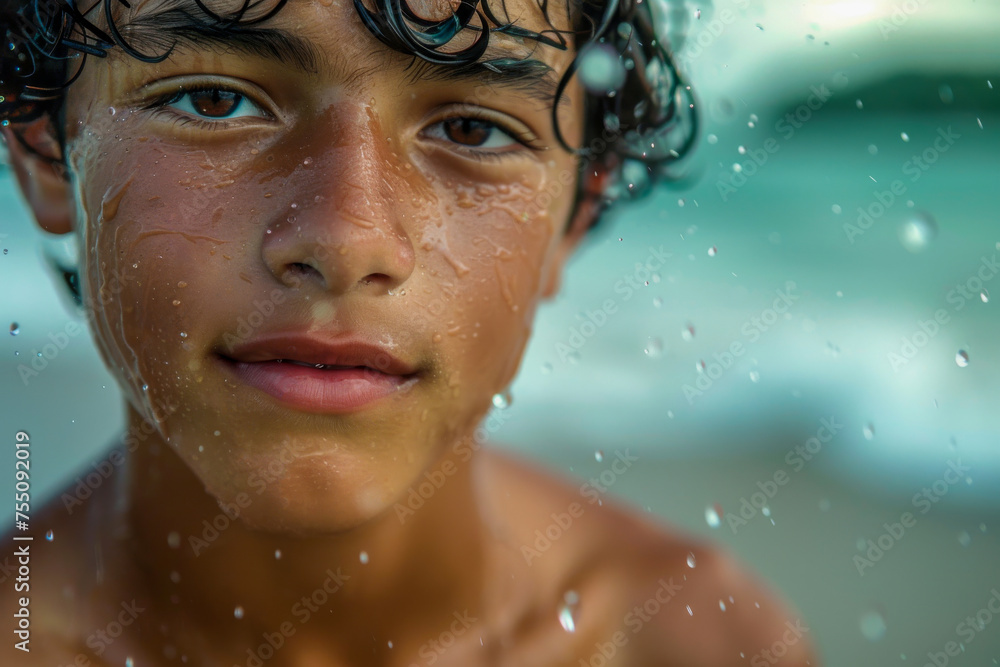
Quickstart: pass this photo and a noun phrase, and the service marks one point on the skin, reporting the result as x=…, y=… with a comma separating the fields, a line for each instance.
x=343, y=202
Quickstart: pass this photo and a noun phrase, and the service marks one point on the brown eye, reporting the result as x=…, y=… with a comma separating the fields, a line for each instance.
x=475, y=132
x=468, y=131
x=215, y=103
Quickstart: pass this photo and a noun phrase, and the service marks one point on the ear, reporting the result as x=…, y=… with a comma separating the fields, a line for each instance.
x=42, y=179
x=583, y=218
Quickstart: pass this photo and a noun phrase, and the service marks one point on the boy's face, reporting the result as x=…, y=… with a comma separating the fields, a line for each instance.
x=265, y=208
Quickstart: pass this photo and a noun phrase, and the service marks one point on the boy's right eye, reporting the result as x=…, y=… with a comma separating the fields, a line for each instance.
x=207, y=104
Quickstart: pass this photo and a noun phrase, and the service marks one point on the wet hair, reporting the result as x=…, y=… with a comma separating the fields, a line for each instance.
x=639, y=119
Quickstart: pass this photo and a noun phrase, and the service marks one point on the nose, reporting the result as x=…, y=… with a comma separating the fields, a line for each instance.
x=345, y=232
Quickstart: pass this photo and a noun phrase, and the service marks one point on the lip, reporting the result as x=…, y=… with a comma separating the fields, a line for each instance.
x=355, y=373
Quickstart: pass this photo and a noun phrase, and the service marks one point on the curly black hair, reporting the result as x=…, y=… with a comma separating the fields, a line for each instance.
x=635, y=130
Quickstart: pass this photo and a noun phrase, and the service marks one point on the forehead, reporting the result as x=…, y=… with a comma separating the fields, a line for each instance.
x=320, y=30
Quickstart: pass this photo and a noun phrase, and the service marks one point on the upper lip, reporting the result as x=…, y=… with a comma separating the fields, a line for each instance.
x=351, y=351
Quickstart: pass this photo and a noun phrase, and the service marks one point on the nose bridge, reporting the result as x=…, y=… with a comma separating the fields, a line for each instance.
x=348, y=229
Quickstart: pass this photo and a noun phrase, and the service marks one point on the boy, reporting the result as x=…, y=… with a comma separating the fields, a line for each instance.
x=312, y=240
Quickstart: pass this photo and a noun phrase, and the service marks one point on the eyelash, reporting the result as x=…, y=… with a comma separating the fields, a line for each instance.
x=159, y=104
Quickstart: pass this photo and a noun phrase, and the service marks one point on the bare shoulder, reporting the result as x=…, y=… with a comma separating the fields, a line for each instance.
x=665, y=597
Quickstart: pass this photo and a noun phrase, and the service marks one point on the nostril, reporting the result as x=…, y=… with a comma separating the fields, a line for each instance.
x=297, y=271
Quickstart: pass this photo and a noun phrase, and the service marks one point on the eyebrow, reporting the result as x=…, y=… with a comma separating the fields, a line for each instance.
x=176, y=27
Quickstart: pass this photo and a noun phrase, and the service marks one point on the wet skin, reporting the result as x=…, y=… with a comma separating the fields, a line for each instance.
x=345, y=203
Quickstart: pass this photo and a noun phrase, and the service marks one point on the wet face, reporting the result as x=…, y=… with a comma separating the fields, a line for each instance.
x=244, y=218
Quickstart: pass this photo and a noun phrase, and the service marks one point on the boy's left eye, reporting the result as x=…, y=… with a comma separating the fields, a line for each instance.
x=472, y=133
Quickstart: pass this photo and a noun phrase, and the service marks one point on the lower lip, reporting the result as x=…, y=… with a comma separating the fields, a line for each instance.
x=320, y=390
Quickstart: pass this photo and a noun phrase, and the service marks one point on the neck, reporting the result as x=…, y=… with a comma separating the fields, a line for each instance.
x=391, y=578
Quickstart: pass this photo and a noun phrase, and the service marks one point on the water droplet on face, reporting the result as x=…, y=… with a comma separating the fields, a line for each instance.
x=916, y=233
x=363, y=557
x=129, y=662
x=238, y=612
x=868, y=431
x=689, y=610
x=713, y=251
x=566, y=619
x=962, y=358
x=713, y=516
x=112, y=111
x=174, y=540
x=872, y=625
x=599, y=456
x=277, y=554
x=49, y=535
x=502, y=400
x=722, y=605
x=690, y=560
x=654, y=348
x=15, y=328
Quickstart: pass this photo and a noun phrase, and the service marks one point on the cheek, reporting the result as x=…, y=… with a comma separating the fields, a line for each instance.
x=156, y=253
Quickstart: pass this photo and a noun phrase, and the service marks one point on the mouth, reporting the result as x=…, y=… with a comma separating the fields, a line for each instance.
x=327, y=376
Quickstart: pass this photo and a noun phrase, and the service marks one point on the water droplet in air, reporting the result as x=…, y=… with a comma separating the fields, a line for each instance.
x=859, y=104
x=174, y=540
x=277, y=554
x=872, y=625
x=363, y=557
x=868, y=431
x=964, y=538
x=712, y=139
x=654, y=348
x=962, y=358
x=737, y=167
x=49, y=535
x=904, y=136
x=946, y=93
x=697, y=13
x=546, y=368
x=916, y=233
x=502, y=400
x=985, y=296
x=657, y=302
x=836, y=209
x=238, y=612
x=599, y=456
x=15, y=328
x=713, y=516
x=601, y=69
x=754, y=376
x=713, y=251
x=687, y=333
x=690, y=560
x=129, y=662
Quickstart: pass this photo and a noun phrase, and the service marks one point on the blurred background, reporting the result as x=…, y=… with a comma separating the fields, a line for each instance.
x=838, y=231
